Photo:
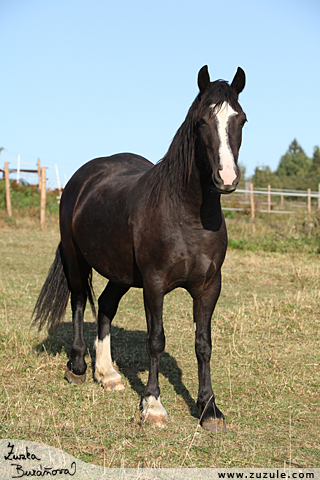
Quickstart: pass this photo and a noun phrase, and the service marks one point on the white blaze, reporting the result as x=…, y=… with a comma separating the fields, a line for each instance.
x=228, y=168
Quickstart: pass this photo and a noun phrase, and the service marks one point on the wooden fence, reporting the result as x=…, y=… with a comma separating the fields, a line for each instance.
x=41, y=172
x=271, y=201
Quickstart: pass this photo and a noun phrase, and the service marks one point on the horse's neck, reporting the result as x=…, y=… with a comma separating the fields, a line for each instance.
x=200, y=199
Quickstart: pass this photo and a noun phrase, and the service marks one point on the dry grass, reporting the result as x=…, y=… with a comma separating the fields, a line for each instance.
x=265, y=367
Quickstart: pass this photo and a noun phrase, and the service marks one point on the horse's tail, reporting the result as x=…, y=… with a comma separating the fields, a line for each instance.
x=54, y=296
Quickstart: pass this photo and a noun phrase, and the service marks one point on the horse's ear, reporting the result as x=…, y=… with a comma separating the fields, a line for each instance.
x=203, y=78
x=239, y=81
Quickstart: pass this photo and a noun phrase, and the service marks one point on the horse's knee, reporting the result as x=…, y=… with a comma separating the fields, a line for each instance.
x=156, y=343
x=203, y=349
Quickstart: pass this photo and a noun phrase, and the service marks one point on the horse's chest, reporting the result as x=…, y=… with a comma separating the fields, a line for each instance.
x=195, y=269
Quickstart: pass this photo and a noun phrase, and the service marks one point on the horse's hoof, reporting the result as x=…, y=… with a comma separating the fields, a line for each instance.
x=153, y=412
x=116, y=385
x=215, y=425
x=159, y=421
x=73, y=378
x=111, y=382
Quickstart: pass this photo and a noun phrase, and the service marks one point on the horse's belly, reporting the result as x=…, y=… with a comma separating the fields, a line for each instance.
x=105, y=240
x=117, y=265
x=108, y=249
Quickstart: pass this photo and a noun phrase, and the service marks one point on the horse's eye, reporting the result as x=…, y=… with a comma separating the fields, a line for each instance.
x=202, y=122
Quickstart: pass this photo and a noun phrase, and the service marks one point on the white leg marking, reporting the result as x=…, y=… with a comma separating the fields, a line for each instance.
x=228, y=171
x=104, y=370
x=154, y=412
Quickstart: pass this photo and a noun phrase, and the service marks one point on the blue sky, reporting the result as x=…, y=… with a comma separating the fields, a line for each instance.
x=88, y=78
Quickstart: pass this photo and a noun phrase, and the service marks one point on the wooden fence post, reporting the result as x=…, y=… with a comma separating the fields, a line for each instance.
x=7, y=184
x=18, y=169
x=43, y=197
x=309, y=202
x=39, y=174
x=247, y=188
x=269, y=198
x=252, y=201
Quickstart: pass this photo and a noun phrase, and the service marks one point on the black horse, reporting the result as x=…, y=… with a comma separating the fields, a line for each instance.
x=157, y=227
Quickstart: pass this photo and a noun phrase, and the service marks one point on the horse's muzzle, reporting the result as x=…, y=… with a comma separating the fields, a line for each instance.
x=221, y=186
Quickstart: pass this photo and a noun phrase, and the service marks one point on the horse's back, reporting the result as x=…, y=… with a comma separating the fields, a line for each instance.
x=127, y=164
x=105, y=173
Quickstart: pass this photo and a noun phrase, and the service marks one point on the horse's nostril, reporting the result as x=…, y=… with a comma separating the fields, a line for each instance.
x=216, y=177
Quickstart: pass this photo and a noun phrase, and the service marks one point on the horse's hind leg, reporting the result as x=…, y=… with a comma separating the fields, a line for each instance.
x=78, y=273
x=104, y=370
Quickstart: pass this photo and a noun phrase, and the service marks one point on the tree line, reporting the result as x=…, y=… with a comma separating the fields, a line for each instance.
x=296, y=171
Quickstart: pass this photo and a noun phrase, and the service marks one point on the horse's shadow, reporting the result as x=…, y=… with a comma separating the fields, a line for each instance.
x=129, y=352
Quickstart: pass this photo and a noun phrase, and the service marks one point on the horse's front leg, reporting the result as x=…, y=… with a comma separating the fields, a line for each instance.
x=153, y=411
x=203, y=306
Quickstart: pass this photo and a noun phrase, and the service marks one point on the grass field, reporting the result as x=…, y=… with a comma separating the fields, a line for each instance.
x=265, y=362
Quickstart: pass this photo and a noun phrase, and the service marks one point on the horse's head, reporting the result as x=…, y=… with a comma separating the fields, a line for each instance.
x=220, y=120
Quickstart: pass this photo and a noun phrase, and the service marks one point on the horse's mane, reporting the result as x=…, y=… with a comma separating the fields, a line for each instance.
x=175, y=168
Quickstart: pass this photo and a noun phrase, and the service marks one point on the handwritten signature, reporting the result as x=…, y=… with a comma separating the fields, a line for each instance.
x=40, y=471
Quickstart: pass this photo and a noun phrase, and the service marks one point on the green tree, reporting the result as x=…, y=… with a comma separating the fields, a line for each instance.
x=315, y=166
x=314, y=170
x=243, y=175
x=263, y=176
x=294, y=162
x=295, y=171
x=294, y=167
